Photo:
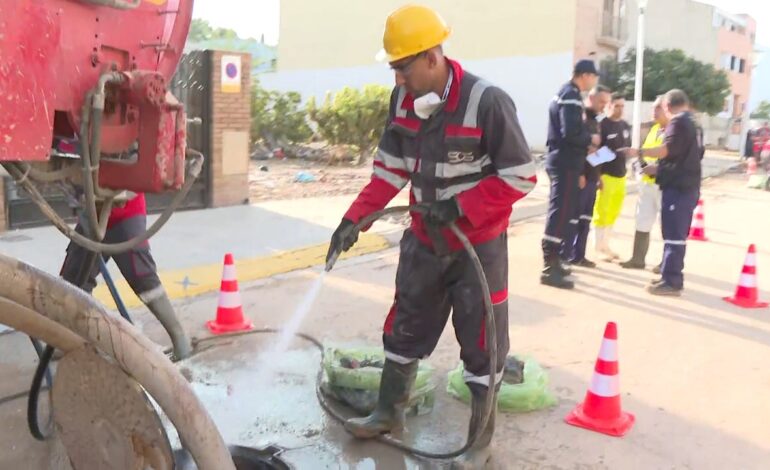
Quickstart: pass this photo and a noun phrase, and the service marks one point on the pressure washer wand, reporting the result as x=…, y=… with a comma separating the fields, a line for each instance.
x=332, y=260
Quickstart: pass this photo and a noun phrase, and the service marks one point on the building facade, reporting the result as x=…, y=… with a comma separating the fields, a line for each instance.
x=526, y=48
x=601, y=29
x=710, y=35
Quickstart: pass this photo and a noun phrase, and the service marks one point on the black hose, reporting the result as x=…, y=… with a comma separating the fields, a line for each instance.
x=491, y=346
x=84, y=273
x=39, y=349
x=113, y=290
x=34, y=394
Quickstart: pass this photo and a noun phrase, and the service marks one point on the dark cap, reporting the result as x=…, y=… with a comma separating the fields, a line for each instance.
x=585, y=66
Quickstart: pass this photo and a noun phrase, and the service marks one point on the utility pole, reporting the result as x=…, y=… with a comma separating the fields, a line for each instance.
x=639, y=79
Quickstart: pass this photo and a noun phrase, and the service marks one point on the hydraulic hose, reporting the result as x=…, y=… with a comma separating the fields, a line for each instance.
x=47, y=176
x=491, y=345
x=193, y=171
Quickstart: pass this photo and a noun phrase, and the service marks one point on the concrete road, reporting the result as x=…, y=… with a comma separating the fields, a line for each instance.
x=693, y=369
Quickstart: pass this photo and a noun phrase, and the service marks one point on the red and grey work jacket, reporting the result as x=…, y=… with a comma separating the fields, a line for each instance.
x=472, y=149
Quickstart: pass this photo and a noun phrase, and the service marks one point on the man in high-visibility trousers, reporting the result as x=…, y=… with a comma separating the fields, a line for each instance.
x=616, y=135
x=648, y=203
x=457, y=139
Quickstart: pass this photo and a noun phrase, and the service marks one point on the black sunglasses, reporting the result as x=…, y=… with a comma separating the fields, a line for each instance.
x=404, y=66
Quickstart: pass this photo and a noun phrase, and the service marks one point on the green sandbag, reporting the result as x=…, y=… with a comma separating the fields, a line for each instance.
x=352, y=375
x=530, y=395
x=367, y=376
x=757, y=182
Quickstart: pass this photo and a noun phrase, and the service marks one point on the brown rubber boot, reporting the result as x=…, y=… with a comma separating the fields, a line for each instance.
x=388, y=416
x=479, y=456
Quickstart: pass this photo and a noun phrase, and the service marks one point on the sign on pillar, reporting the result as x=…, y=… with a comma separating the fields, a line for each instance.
x=231, y=74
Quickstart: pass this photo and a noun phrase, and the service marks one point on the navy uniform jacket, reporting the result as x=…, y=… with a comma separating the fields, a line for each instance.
x=568, y=136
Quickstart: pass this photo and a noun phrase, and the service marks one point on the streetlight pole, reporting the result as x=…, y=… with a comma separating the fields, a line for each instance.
x=639, y=81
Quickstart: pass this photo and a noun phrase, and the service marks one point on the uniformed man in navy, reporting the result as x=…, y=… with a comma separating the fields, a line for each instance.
x=574, y=250
x=568, y=143
x=678, y=173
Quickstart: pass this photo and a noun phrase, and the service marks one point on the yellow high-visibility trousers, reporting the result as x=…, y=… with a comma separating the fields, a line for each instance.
x=609, y=201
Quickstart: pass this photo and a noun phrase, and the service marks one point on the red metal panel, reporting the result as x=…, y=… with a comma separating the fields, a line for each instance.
x=53, y=51
x=30, y=37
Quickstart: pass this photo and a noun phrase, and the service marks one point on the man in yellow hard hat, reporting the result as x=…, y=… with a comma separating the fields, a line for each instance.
x=458, y=140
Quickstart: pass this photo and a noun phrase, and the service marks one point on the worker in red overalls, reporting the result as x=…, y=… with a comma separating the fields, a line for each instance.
x=137, y=266
x=457, y=139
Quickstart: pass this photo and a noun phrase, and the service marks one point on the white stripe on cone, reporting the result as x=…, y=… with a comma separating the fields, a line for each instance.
x=229, y=299
x=228, y=273
x=609, y=350
x=605, y=385
x=751, y=259
x=748, y=280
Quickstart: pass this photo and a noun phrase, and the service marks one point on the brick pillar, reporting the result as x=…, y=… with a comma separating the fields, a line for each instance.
x=230, y=126
x=3, y=214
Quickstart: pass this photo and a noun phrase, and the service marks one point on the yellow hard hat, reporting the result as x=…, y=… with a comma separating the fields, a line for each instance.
x=410, y=30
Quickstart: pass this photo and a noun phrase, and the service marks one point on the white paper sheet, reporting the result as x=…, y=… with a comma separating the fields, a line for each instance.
x=603, y=155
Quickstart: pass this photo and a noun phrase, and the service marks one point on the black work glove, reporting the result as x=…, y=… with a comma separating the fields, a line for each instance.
x=443, y=213
x=343, y=239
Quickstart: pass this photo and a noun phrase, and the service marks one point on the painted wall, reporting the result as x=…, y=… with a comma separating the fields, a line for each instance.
x=677, y=24
x=739, y=45
x=527, y=48
x=590, y=20
x=346, y=33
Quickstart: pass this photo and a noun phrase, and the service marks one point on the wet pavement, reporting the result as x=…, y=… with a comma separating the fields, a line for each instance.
x=259, y=400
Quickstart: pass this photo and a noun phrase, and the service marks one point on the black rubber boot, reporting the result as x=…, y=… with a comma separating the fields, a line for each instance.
x=553, y=275
x=480, y=454
x=565, y=268
x=163, y=310
x=388, y=416
x=641, y=245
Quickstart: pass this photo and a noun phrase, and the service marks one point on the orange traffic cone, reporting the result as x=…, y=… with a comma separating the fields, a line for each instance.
x=229, y=308
x=746, y=294
x=600, y=411
x=698, y=227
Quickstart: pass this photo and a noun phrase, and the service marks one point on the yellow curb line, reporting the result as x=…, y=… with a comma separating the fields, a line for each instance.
x=207, y=278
